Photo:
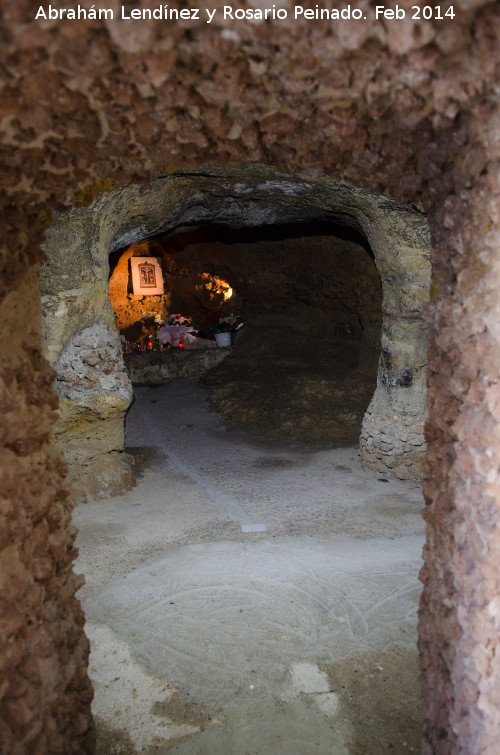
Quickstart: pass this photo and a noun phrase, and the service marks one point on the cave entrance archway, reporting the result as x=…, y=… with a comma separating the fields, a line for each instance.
x=82, y=343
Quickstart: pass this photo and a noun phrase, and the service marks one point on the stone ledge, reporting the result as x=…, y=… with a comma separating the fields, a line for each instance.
x=157, y=367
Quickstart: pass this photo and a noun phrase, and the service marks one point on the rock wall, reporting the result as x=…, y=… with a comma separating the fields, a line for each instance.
x=155, y=368
x=460, y=607
x=82, y=343
x=372, y=102
x=408, y=108
x=130, y=309
x=94, y=392
x=45, y=693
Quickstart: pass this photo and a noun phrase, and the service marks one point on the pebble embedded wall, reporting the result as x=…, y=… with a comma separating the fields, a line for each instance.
x=460, y=606
x=374, y=102
x=408, y=109
x=45, y=692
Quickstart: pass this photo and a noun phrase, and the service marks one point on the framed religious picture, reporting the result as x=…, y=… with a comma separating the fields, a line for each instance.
x=147, y=278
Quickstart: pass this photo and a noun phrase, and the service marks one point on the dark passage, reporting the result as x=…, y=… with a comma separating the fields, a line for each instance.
x=304, y=365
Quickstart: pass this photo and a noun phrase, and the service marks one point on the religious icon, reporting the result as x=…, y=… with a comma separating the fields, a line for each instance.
x=147, y=276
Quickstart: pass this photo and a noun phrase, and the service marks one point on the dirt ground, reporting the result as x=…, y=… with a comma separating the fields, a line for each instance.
x=250, y=595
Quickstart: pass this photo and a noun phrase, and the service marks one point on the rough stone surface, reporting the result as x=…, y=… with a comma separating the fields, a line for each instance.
x=94, y=393
x=460, y=607
x=155, y=368
x=45, y=693
x=130, y=308
x=74, y=280
x=92, y=386
x=406, y=108
x=81, y=340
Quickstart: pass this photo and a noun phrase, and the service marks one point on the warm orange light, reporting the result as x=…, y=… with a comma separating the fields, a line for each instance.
x=216, y=285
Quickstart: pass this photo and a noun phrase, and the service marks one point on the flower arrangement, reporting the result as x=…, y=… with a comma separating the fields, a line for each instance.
x=229, y=324
x=180, y=320
x=150, y=326
x=150, y=322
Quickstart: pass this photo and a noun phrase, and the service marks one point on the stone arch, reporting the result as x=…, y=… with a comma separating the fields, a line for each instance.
x=83, y=345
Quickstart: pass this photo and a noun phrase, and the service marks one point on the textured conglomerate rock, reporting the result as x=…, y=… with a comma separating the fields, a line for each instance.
x=406, y=108
x=94, y=392
x=45, y=693
x=460, y=611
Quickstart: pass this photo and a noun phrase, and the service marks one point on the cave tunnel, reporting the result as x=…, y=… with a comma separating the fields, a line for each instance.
x=408, y=108
x=304, y=366
x=272, y=508
x=331, y=280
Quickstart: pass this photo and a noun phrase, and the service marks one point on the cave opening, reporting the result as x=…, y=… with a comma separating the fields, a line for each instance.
x=226, y=211
x=304, y=365
x=262, y=524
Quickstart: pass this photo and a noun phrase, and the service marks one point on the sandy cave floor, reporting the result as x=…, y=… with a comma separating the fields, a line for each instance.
x=249, y=596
